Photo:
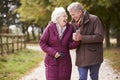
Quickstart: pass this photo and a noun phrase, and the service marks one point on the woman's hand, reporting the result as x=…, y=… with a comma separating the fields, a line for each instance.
x=57, y=55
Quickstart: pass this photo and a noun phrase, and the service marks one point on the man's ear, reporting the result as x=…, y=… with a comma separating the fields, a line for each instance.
x=72, y=20
x=80, y=11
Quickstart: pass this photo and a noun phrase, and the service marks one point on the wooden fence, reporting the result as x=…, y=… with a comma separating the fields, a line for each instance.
x=10, y=43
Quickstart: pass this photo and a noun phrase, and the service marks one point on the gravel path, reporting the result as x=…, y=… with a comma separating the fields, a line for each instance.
x=106, y=71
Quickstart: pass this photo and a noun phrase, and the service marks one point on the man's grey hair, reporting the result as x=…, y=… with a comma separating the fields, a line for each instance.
x=57, y=13
x=76, y=6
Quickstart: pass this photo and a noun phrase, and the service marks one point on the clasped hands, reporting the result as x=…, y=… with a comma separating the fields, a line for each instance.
x=77, y=36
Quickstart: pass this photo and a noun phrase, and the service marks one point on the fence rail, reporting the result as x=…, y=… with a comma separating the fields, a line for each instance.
x=10, y=43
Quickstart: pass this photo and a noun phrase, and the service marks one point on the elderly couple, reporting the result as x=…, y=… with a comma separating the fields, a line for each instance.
x=85, y=33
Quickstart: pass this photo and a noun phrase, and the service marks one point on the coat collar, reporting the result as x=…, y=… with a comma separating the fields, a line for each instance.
x=55, y=28
x=85, y=17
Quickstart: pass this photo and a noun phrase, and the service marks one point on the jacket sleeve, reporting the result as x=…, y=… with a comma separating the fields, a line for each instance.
x=44, y=43
x=73, y=44
x=98, y=35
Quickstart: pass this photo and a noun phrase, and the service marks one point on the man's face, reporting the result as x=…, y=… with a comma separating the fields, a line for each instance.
x=76, y=15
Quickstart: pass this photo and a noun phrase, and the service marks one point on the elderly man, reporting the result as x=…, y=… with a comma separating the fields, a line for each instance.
x=90, y=33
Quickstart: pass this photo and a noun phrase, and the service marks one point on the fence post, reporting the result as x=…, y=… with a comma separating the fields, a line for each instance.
x=7, y=44
x=17, y=42
x=24, y=41
x=21, y=41
x=1, y=45
x=12, y=43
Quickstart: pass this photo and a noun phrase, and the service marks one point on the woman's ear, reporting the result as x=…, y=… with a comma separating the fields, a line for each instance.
x=56, y=20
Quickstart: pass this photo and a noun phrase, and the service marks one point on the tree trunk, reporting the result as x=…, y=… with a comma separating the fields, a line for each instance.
x=39, y=34
x=107, y=38
x=33, y=33
x=28, y=36
x=23, y=29
x=42, y=29
x=118, y=38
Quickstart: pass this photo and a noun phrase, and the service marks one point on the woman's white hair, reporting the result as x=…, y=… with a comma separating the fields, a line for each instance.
x=56, y=13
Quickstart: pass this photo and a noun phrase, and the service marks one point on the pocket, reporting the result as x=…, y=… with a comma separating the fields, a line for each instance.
x=92, y=49
x=92, y=53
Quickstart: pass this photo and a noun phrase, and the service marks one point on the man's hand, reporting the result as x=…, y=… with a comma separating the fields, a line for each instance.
x=77, y=36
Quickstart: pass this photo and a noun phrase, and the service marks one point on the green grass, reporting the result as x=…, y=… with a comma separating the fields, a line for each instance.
x=114, y=56
x=14, y=66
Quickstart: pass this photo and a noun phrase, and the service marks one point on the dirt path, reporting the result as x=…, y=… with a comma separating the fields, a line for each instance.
x=106, y=71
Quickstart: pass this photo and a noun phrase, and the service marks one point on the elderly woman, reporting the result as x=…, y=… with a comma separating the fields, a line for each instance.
x=56, y=41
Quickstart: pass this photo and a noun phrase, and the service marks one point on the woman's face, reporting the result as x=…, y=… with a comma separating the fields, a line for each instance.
x=62, y=19
x=75, y=14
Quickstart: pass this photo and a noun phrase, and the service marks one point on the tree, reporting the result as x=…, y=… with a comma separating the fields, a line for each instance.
x=38, y=12
x=7, y=17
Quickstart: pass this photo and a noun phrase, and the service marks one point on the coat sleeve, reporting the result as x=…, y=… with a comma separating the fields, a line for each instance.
x=44, y=43
x=73, y=44
x=98, y=35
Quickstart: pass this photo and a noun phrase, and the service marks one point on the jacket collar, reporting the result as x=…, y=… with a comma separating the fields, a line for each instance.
x=55, y=29
x=85, y=17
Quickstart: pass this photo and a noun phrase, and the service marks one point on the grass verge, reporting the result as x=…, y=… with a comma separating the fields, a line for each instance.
x=114, y=56
x=14, y=66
